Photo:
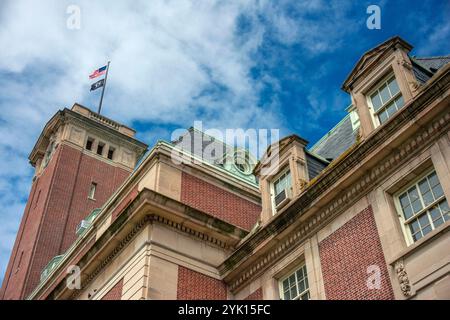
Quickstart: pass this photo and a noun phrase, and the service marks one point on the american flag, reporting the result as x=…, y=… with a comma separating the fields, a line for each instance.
x=98, y=72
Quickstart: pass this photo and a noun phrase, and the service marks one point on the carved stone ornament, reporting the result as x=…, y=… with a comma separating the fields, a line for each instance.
x=406, y=64
x=403, y=279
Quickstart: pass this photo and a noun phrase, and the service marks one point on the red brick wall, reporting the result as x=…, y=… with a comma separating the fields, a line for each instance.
x=15, y=276
x=218, y=202
x=193, y=285
x=256, y=295
x=48, y=228
x=345, y=256
x=115, y=293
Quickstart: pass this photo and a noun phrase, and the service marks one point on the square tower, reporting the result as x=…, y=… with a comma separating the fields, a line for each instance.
x=80, y=159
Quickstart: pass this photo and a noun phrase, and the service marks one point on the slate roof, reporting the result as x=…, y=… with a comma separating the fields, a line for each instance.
x=336, y=141
x=425, y=67
x=216, y=152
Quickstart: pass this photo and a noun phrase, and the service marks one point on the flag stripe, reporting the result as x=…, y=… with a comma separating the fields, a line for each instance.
x=98, y=72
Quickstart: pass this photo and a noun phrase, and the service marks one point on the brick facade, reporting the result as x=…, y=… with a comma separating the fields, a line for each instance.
x=218, y=202
x=115, y=293
x=58, y=201
x=256, y=295
x=193, y=285
x=345, y=256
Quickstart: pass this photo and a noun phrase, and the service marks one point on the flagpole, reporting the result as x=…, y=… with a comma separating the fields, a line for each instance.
x=103, y=90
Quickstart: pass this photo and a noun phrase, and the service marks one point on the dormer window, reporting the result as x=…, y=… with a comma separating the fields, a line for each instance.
x=385, y=100
x=282, y=189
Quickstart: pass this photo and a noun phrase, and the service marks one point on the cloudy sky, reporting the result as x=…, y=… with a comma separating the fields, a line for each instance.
x=231, y=64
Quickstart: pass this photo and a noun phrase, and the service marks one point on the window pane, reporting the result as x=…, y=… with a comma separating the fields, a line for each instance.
x=407, y=212
x=300, y=274
x=437, y=191
x=393, y=86
x=433, y=179
x=415, y=200
x=301, y=286
x=426, y=230
x=287, y=295
x=438, y=222
x=416, y=236
x=417, y=206
x=424, y=221
x=414, y=226
x=427, y=198
x=413, y=194
x=292, y=280
x=404, y=201
x=285, y=285
x=399, y=102
x=423, y=186
x=444, y=206
x=383, y=117
x=391, y=109
x=435, y=213
x=294, y=292
x=376, y=101
x=445, y=210
x=384, y=93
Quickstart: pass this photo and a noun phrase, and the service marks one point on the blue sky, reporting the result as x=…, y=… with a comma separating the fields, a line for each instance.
x=231, y=64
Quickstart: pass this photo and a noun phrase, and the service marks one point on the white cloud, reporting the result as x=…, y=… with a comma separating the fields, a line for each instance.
x=172, y=62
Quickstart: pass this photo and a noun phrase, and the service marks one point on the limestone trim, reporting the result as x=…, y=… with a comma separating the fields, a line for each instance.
x=148, y=207
x=238, y=264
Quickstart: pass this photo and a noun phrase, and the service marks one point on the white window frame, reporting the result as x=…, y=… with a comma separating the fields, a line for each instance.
x=294, y=272
x=374, y=114
x=272, y=186
x=398, y=207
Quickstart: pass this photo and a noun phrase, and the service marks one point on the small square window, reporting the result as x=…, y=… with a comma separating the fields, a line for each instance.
x=89, y=144
x=111, y=153
x=100, y=148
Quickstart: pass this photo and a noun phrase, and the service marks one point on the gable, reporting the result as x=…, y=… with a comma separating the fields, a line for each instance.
x=371, y=58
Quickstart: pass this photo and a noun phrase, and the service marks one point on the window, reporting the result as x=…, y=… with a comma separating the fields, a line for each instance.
x=295, y=286
x=89, y=144
x=423, y=206
x=49, y=153
x=100, y=148
x=386, y=100
x=92, y=190
x=282, y=183
x=111, y=153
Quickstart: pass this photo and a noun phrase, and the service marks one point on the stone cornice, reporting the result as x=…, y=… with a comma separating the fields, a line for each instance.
x=148, y=207
x=69, y=116
x=237, y=269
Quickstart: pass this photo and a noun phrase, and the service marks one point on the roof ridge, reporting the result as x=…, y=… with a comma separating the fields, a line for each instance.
x=432, y=57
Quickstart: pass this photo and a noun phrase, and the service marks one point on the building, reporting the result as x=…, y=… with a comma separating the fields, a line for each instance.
x=362, y=214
